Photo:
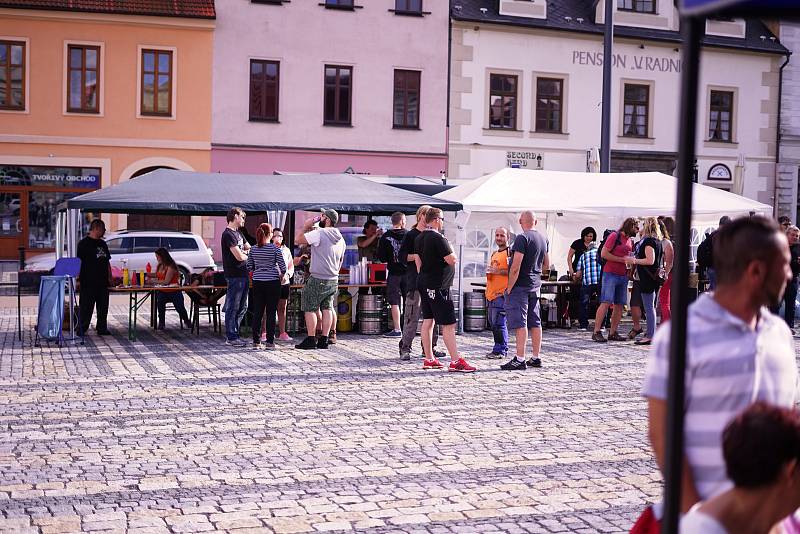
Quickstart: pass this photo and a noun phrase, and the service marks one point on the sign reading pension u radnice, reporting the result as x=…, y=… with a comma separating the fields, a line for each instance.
x=637, y=62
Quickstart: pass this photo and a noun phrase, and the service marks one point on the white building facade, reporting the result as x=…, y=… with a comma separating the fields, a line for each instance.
x=789, y=144
x=526, y=89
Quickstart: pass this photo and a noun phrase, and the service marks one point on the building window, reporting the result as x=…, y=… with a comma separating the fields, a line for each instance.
x=339, y=3
x=157, y=82
x=637, y=6
x=12, y=75
x=338, y=95
x=406, y=98
x=503, y=101
x=720, y=116
x=264, y=79
x=637, y=104
x=83, y=82
x=549, y=100
x=408, y=6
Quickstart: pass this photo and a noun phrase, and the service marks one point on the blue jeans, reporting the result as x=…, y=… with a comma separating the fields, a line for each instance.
x=583, y=309
x=649, y=309
x=235, y=305
x=497, y=320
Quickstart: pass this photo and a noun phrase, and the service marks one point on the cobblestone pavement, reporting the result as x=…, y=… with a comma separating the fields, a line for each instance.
x=177, y=433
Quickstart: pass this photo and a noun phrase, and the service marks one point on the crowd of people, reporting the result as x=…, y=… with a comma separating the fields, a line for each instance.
x=742, y=431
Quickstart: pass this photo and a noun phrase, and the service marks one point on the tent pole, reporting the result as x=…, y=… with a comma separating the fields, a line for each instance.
x=59, y=235
x=692, y=31
x=460, y=288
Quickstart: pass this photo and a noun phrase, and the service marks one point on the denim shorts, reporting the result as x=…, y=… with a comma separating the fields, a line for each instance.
x=522, y=308
x=614, y=289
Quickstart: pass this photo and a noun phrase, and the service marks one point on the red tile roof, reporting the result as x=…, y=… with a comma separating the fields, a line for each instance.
x=163, y=8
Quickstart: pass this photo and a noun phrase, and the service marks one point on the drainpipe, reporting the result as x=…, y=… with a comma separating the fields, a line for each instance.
x=449, y=60
x=778, y=137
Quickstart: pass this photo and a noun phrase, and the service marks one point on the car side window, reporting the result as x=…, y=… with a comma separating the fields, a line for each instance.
x=119, y=245
x=146, y=244
x=180, y=243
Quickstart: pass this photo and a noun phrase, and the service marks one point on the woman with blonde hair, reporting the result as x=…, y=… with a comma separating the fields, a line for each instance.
x=667, y=225
x=648, y=264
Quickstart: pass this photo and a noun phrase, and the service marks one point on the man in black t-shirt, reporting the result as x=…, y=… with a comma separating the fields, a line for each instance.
x=95, y=277
x=234, y=258
x=411, y=298
x=389, y=253
x=435, y=262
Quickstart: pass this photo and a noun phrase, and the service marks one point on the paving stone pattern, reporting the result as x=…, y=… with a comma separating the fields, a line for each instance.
x=179, y=433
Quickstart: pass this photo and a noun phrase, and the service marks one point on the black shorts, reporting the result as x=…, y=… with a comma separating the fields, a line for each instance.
x=436, y=304
x=395, y=288
x=285, y=289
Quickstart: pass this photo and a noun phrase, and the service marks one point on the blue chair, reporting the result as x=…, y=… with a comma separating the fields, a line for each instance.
x=71, y=267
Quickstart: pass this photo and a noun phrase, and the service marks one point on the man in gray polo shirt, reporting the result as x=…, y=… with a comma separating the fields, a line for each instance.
x=737, y=353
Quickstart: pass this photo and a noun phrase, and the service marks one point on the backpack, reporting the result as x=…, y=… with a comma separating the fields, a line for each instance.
x=705, y=252
x=600, y=259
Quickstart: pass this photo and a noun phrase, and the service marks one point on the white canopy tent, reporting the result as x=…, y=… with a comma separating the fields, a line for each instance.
x=565, y=202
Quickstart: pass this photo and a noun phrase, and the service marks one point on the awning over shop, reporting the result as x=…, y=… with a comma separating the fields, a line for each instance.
x=171, y=192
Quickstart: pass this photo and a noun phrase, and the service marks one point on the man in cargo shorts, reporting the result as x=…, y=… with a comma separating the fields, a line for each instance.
x=327, y=252
x=529, y=258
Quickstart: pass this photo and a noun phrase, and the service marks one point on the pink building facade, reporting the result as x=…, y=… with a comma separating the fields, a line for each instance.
x=327, y=86
x=330, y=86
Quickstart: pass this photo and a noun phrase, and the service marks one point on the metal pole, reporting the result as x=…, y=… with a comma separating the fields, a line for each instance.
x=605, y=126
x=692, y=32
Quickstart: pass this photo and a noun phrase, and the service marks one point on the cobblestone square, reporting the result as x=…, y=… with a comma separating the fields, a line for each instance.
x=179, y=433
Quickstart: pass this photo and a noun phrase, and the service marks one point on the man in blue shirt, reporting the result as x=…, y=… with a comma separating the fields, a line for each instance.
x=529, y=257
x=589, y=271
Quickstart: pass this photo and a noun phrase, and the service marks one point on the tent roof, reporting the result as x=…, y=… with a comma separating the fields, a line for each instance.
x=613, y=194
x=168, y=191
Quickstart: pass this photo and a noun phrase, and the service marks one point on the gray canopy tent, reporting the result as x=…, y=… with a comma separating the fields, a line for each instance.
x=171, y=192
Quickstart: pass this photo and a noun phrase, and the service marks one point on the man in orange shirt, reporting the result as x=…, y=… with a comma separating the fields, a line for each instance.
x=496, y=284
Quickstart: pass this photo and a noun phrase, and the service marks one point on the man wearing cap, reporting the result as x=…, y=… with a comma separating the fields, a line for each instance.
x=327, y=252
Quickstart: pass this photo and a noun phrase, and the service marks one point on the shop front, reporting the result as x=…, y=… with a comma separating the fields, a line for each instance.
x=29, y=198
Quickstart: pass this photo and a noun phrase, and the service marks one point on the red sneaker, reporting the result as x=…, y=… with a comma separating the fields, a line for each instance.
x=461, y=366
x=432, y=364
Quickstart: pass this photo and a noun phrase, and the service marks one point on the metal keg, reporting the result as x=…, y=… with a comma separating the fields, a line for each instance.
x=368, y=311
x=295, y=320
x=474, y=311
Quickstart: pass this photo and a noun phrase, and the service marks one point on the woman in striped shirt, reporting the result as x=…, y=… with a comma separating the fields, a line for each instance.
x=266, y=263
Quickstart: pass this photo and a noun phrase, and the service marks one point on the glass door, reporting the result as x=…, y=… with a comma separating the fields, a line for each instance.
x=13, y=209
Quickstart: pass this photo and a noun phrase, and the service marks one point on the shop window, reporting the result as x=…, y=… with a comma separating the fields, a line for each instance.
x=503, y=101
x=264, y=83
x=83, y=79
x=406, y=98
x=720, y=116
x=157, y=82
x=338, y=95
x=636, y=109
x=12, y=75
x=549, y=102
x=637, y=6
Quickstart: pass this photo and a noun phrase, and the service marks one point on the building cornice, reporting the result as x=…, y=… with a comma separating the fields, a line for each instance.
x=105, y=141
x=108, y=18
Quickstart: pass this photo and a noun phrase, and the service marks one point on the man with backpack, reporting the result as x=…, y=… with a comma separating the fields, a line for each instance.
x=705, y=255
x=614, y=291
